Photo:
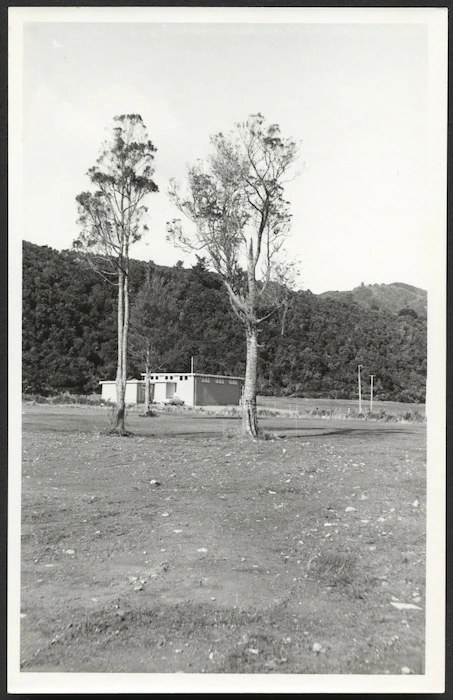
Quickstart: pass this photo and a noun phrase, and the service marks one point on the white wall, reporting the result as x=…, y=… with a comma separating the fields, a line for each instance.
x=184, y=389
x=109, y=391
x=159, y=391
x=131, y=392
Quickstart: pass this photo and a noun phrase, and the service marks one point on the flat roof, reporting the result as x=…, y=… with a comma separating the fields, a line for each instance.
x=113, y=381
x=193, y=374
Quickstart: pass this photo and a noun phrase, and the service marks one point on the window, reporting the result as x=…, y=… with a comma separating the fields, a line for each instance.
x=232, y=381
x=170, y=390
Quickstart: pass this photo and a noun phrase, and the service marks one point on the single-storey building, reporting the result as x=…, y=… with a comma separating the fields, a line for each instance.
x=135, y=391
x=194, y=389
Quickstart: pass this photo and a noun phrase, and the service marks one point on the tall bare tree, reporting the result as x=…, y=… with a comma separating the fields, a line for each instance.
x=111, y=220
x=240, y=219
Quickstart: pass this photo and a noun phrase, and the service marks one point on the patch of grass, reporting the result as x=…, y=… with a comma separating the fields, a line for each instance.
x=267, y=413
x=148, y=414
x=332, y=568
x=412, y=417
x=376, y=415
x=112, y=429
x=119, y=432
x=265, y=434
x=232, y=433
x=340, y=571
x=257, y=652
x=66, y=398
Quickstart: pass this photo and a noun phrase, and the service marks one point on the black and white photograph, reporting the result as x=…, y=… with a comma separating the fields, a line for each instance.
x=227, y=302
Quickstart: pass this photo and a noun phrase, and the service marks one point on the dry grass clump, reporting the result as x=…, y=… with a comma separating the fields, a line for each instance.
x=340, y=571
x=65, y=398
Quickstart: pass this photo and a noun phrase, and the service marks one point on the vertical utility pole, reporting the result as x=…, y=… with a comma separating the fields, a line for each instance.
x=360, y=389
x=191, y=365
x=371, y=394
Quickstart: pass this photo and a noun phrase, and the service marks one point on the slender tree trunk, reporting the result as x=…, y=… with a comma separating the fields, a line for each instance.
x=285, y=311
x=121, y=369
x=147, y=373
x=125, y=327
x=249, y=416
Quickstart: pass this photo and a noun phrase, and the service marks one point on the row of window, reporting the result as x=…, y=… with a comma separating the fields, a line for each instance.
x=156, y=377
x=218, y=380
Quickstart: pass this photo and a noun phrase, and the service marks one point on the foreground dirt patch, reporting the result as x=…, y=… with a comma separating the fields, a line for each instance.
x=205, y=553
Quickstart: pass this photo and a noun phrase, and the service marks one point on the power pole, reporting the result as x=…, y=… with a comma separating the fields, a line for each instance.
x=191, y=364
x=360, y=389
x=371, y=394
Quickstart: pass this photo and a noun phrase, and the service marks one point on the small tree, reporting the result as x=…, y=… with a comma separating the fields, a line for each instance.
x=235, y=201
x=111, y=221
x=151, y=316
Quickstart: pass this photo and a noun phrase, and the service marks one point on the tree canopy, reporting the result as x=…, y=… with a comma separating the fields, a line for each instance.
x=234, y=199
x=111, y=220
x=69, y=334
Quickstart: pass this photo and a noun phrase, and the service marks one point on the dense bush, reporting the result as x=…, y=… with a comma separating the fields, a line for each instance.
x=69, y=335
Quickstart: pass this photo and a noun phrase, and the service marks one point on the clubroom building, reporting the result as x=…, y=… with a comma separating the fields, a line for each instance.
x=194, y=389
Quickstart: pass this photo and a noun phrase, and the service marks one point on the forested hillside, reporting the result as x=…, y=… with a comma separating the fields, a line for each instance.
x=397, y=298
x=69, y=333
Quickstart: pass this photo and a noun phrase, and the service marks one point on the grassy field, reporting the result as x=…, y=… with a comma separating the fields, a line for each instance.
x=187, y=549
x=338, y=406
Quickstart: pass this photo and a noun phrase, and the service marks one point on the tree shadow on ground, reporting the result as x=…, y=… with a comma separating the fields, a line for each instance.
x=208, y=418
x=361, y=432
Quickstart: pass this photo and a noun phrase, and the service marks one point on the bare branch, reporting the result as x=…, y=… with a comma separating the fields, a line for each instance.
x=239, y=217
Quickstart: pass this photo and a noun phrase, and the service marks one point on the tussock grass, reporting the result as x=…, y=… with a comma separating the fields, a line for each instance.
x=65, y=398
x=333, y=569
x=341, y=571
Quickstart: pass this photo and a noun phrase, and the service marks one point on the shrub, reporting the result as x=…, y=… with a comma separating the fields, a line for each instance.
x=412, y=417
x=66, y=398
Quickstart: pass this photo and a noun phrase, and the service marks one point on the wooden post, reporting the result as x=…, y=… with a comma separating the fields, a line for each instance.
x=371, y=394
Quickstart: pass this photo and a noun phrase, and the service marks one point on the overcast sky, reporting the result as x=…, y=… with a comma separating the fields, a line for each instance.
x=356, y=96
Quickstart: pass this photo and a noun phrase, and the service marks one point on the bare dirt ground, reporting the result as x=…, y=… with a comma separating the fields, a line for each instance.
x=184, y=548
